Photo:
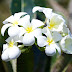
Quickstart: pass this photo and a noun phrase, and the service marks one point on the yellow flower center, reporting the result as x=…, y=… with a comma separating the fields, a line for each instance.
x=15, y=23
x=11, y=43
x=29, y=29
x=50, y=41
x=51, y=26
x=54, y=22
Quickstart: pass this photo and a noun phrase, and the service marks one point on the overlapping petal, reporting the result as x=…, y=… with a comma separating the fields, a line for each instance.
x=50, y=50
x=28, y=39
x=36, y=23
x=14, y=52
x=4, y=28
x=13, y=31
x=18, y=15
x=46, y=11
x=5, y=56
x=9, y=19
x=66, y=44
x=56, y=36
x=37, y=32
x=41, y=41
x=58, y=48
x=25, y=21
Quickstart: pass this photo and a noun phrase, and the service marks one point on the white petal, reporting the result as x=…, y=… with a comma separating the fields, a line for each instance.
x=4, y=55
x=65, y=30
x=9, y=19
x=9, y=39
x=44, y=30
x=18, y=15
x=37, y=32
x=28, y=39
x=4, y=28
x=58, y=48
x=37, y=8
x=13, y=31
x=22, y=31
x=41, y=41
x=14, y=52
x=50, y=50
x=5, y=46
x=18, y=39
x=66, y=44
x=48, y=33
x=46, y=11
x=15, y=39
x=56, y=36
x=36, y=23
x=25, y=21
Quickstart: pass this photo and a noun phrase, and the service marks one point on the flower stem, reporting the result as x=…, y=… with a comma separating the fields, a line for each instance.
x=14, y=65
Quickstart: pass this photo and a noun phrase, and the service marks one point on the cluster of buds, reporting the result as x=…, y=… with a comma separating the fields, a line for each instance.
x=51, y=35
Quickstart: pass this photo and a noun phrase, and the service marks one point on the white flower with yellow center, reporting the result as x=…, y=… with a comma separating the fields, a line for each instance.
x=50, y=43
x=66, y=44
x=30, y=30
x=12, y=22
x=54, y=21
x=10, y=50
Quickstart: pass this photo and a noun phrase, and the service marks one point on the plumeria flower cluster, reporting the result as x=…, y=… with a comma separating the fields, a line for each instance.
x=51, y=35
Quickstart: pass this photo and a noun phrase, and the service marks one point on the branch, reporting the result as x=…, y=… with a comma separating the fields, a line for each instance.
x=61, y=63
x=57, y=7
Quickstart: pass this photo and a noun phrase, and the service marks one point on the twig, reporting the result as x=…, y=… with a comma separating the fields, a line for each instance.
x=61, y=63
x=59, y=8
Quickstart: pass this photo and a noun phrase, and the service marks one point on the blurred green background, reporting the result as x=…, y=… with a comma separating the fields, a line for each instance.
x=35, y=60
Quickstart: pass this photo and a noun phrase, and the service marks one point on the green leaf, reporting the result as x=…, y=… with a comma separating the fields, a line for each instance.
x=26, y=6
x=26, y=62
x=15, y=6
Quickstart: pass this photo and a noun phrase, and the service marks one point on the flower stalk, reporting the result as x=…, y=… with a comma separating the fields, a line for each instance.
x=14, y=65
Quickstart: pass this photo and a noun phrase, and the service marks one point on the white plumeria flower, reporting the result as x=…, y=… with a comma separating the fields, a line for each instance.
x=54, y=21
x=30, y=30
x=12, y=22
x=66, y=44
x=10, y=50
x=50, y=43
x=46, y=11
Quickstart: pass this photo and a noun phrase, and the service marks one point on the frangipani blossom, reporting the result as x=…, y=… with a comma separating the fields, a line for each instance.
x=50, y=44
x=66, y=44
x=54, y=21
x=12, y=22
x=30, y=30
x=10, y=50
